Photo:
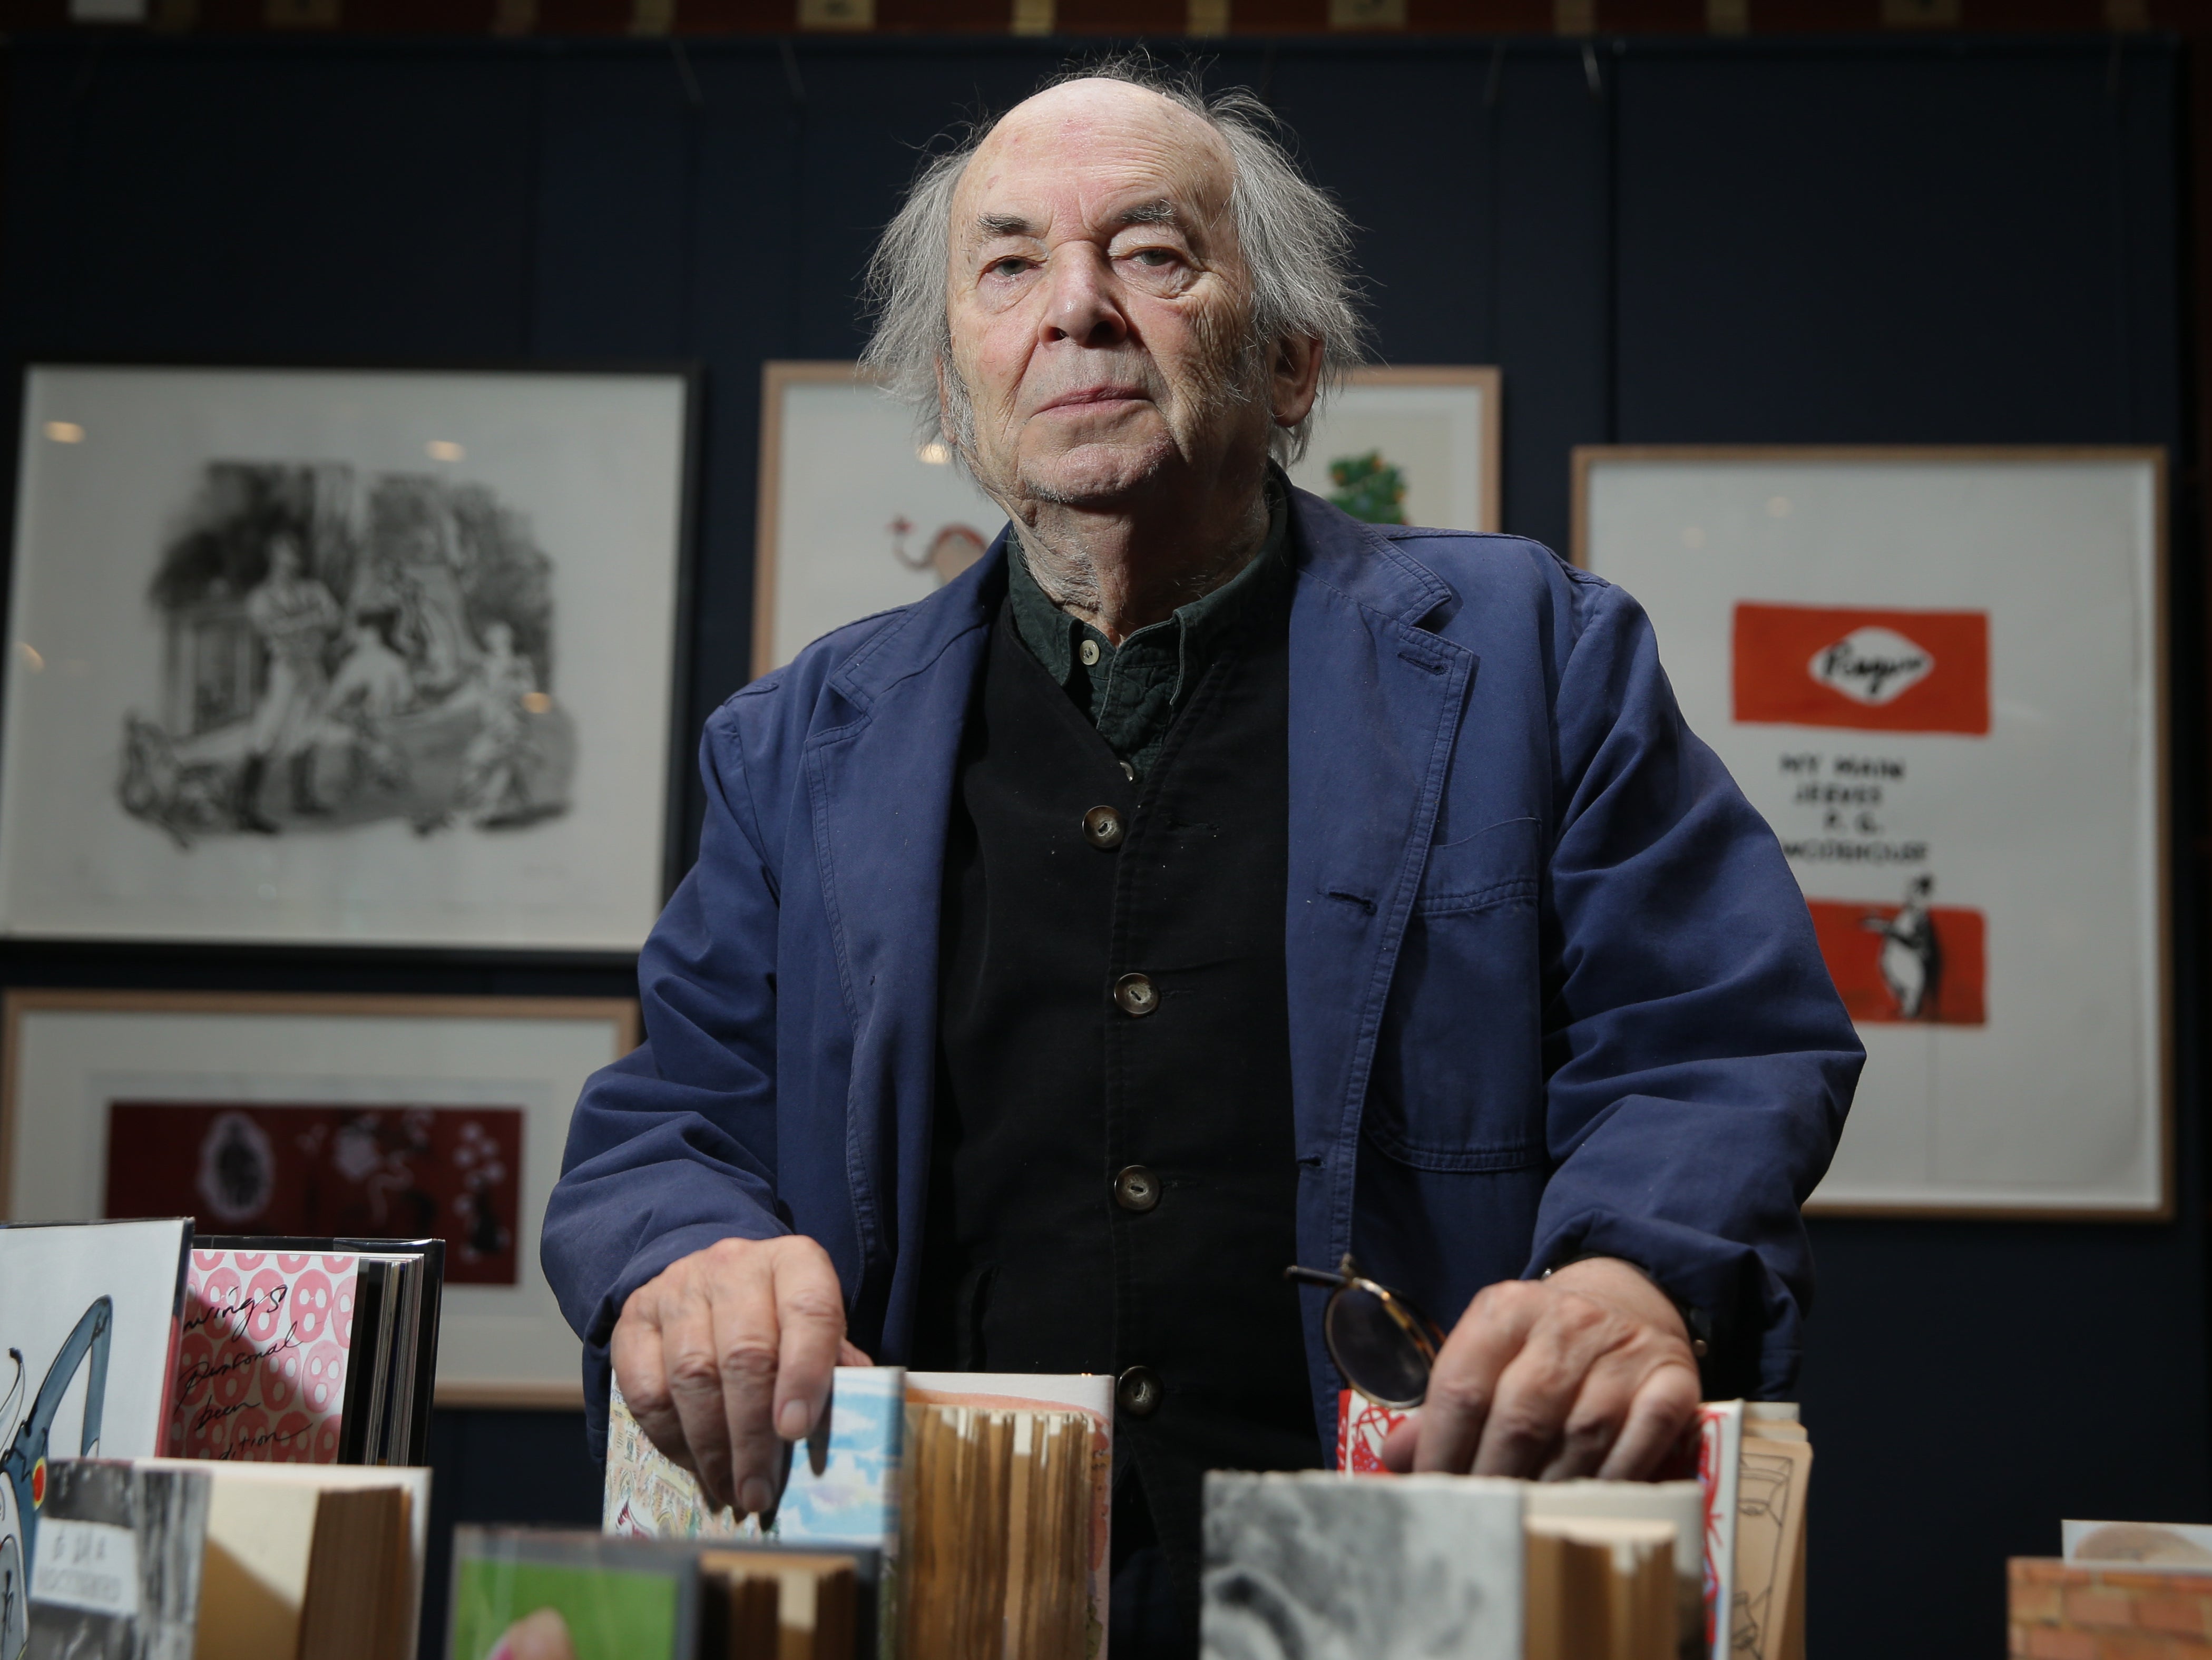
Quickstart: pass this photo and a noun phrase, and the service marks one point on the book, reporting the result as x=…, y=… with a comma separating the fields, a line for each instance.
x=786, y=1605
x=90, y=1315
x=307, y=1351
x=119, y=1569
x=1677, y=1505
x=174, y=1559
x=2168, y=1546
x=1774, y=1472
x=1720, y=1452
x=1600, y=1588
x=351, y=1538
x=1023, y=1463
x=1316, y=1562
x=608, y=1598
x=849, y=1497
x=2059, y=1606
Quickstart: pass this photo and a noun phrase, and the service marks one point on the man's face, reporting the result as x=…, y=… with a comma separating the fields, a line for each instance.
x=1097, y=299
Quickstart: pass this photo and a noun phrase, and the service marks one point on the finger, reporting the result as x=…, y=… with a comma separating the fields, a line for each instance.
x=1661, y=1414
x=1594, y=1421
x=635, y=1350
x=745, y=1347
x=1568, y=1342
x=694, y=1384
x=850, y=1356
x=1528, y=1410
x=809, y=1315
x=1461, y=1383
x=1398, y=1447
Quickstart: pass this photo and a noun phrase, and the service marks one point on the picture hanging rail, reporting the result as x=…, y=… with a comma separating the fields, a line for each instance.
x=859, y=511
x=382, y=1117
x=343, y=656
x=1941, y=675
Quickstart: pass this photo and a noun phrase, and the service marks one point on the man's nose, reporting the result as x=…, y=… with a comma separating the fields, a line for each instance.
x=1080, y=304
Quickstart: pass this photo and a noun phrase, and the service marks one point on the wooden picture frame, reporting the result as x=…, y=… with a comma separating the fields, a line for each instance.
x=887, y=516
x=72, y=1057
x=1941, y=672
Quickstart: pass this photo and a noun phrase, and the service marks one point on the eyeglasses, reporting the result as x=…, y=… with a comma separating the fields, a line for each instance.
x=1383, y=1344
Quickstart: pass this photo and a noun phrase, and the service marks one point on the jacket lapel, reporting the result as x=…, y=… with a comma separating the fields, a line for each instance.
x=880, y=789
x=1375, y=703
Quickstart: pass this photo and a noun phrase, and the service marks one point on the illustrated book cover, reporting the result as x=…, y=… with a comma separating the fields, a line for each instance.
x=89, y=1322
x=1314, y=1562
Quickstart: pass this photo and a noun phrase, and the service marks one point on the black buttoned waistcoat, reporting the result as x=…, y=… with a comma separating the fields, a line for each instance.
x=1049, y=1089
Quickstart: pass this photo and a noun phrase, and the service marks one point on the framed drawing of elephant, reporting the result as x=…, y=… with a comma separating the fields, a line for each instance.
x=860, y=512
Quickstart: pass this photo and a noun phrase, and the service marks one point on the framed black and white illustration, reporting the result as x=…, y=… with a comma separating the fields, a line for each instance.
x=1940, y=674
x=380, y=1118
x=343, y=656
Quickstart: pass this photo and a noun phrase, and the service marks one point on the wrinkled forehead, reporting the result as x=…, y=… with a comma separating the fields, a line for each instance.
x=1100, y=150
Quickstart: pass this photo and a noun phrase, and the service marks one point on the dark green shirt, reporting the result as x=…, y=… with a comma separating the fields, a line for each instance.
x=1130, y=692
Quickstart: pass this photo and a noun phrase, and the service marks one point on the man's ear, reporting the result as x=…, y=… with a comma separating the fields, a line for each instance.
x=1295, y=380
x=944, y=403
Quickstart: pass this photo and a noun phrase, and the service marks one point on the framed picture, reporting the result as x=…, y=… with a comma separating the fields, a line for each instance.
x=343, y=656
x=1941, y=675
x=856, y=516
x=375, y=1116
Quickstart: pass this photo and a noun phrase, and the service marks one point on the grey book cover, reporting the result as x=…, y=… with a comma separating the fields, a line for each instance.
x=117, y=1572
x=1315, y=1566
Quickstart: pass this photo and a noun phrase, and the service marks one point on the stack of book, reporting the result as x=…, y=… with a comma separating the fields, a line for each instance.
x=307, y=1351
x=2139, y=1589
x=973, y=1510
x=980, y=1501
x=169, y=1559
x=129, y=1339
x=1740, y=1567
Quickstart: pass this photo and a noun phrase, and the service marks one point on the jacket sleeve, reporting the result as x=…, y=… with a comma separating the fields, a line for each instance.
x=673, y=1147
x=1700, y=1061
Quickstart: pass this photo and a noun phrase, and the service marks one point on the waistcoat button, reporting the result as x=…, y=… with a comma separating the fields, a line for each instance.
x=1137, y=1188
x=1102, y=827
x=1134, y=994
x=1139, y=1389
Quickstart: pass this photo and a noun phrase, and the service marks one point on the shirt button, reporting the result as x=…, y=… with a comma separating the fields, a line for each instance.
x=1089, y=653
x=1139, y=1389
x=1102, y=828
x=1137, y=1188
x=1128, y=771
x=1134, y=995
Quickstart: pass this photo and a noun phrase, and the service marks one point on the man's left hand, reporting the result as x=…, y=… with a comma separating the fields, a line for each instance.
x=1586, y=1373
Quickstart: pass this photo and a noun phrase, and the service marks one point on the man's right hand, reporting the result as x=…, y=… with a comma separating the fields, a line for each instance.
x=726, y=1357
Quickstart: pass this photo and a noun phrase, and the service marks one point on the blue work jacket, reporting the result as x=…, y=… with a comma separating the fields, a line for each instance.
x=1554, y=991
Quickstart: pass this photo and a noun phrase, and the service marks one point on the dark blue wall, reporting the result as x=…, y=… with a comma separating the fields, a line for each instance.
x=1954, y=241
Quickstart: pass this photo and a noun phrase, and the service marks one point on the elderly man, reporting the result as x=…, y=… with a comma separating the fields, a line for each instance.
x=1203, y=881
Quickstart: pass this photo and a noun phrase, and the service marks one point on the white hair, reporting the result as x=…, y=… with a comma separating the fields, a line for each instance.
x=1295, y=240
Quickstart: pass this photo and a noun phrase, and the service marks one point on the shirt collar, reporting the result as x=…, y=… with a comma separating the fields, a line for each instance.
x=1055, y=636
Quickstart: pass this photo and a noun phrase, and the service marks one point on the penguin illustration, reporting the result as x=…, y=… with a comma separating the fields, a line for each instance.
x=1911, y=960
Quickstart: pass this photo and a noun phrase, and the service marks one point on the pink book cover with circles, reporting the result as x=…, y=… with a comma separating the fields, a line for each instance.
x=261, y=1374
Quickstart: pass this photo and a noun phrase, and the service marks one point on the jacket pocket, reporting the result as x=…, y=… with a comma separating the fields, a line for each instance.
x=1458, y=1082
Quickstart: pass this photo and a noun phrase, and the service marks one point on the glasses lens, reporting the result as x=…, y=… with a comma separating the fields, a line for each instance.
x=1378, y=1356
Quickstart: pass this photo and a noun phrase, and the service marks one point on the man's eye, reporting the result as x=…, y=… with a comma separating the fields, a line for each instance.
x=1009, y=266
x=1155, y=259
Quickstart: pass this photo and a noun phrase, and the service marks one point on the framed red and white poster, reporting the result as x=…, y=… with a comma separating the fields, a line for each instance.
x=1940, y=674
